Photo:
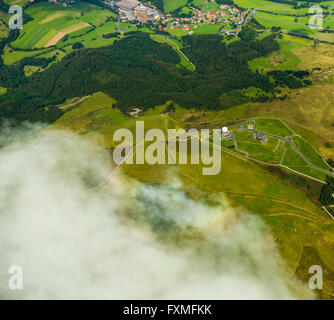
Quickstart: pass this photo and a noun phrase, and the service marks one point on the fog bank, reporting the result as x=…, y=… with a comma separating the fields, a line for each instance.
x=125, y=240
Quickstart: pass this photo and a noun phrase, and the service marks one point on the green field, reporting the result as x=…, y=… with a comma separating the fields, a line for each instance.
x=205, y=5
x=271, y=7
x=270, y=152
x=105, y=119
x=272, y=126
x=2, y=91
x=285, y=58
x=45, y=24
x=15, y=56
x=4, y=30
x=206, y=28
x=310, y=153
x=287, y=26
x=289, y=19
x=295, y=162
x=186, y=10
x=171, y=5
x=248, y=4
x=177, y=32
x=49, y=20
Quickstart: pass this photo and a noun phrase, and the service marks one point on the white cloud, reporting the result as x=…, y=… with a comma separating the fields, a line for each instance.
x=125, y=240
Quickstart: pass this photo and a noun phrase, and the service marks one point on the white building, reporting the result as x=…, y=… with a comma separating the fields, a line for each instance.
x=225, y=132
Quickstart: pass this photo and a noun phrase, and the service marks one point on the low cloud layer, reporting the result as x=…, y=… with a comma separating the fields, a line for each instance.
x=125, y=240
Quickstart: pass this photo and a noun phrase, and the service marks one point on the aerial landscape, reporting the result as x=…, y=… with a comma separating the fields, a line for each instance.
x=251, y=81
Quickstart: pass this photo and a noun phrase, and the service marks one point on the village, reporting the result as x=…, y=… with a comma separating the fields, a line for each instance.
x=63, y=3
x=227, y=17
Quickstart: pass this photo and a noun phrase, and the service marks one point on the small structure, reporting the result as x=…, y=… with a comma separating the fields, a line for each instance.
x=260, y=136
x=134, y=113
x=251, y=124
x=134, y=10
x=225, y=132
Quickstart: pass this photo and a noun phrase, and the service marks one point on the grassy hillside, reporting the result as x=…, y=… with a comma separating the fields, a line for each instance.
x=290, y=17
x=287, y=202
x=211, y=81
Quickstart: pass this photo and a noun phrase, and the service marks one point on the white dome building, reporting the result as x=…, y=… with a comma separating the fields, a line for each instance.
x=225, y=132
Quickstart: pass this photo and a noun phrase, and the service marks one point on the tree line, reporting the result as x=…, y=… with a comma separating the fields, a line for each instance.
x=327, y=192
x=138, y=71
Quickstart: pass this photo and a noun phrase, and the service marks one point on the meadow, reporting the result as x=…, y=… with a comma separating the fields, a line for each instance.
x=249, y=4
x=309, y=152
x=206, y=28
x=278, y=152
x=288, y=18
x=304, y=111
x=14, y=56
x=177, y=32
x=205, y=5
x=280, y=198
x=270, y=152
x=171, y=5
x=272, y=126
x=2, y=91
x=299, y=28
x=285, y=58
x=97, y=114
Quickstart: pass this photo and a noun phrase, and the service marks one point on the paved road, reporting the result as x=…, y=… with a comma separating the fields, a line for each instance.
x=309, y=163
x=118, y=28
x=289, y=140
x=236, y=145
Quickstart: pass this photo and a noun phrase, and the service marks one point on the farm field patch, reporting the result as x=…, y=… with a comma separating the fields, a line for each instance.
x=207, y=29
x=54, y=40
x=171, y=5
x=48, y=26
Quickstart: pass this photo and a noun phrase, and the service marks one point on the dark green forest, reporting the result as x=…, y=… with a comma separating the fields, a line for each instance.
x=327, y=192
x=137, y=71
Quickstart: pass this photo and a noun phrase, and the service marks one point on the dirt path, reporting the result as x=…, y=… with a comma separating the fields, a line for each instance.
x=74, y=103
x=178, y=49
x=288, y=214
x=55, y=39
x=254, y=196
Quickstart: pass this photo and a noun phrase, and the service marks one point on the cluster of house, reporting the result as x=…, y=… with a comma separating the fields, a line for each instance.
x=225, y=16
x=130, y=10
x=262, y=137
x=63, y=3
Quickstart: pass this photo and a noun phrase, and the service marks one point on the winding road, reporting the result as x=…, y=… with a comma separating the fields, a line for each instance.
x=288, y=140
